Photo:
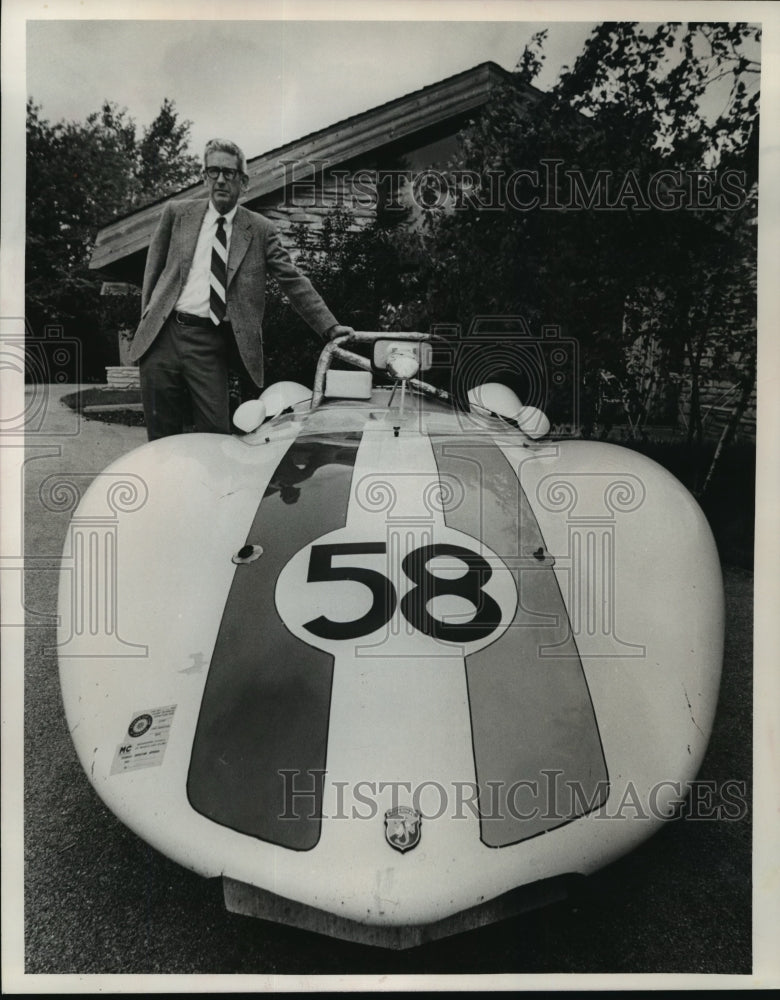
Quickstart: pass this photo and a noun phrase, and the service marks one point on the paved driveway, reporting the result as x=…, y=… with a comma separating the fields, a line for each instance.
x=99, y=900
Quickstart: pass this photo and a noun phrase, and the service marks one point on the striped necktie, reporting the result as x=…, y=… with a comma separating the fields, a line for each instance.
x=218, y=294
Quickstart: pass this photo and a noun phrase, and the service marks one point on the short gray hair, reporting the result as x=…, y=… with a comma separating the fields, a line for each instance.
x=226, y=146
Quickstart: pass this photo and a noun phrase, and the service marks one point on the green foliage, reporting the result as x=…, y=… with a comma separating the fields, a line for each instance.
x=80, y=175
x=163, y=164
x=663, y=85
x=355, y=268
x=660, y=90
x=530, y=63
x=679, y=284
x=119, y=312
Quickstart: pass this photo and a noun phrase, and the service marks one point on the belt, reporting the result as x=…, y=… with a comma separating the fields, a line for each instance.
x=188, y=319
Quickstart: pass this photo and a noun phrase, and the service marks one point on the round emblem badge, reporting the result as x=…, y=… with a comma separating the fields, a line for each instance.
x=140, y=725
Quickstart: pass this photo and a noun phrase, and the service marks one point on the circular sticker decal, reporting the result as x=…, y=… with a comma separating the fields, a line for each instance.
x=140, y=725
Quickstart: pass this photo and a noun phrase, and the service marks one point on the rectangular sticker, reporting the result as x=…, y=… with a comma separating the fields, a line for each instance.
x=144, y=741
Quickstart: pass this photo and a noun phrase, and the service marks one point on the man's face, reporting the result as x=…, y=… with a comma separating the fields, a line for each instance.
x=224, y=193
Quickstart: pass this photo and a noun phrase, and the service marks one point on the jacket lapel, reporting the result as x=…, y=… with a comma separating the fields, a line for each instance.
x=240, y=239
x=191, y=222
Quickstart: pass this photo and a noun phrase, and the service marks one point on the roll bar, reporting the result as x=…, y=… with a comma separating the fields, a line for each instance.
x=334, y=349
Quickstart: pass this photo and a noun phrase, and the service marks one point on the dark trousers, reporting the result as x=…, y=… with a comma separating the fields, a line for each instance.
x=184, y=379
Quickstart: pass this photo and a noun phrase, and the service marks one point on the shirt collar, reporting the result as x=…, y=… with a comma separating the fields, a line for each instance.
x=212, y=214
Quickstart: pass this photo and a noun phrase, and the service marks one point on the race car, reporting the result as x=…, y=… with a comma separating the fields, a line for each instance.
x=389, y=663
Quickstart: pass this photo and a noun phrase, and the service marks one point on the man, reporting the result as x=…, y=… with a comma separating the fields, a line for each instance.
x=204, y=289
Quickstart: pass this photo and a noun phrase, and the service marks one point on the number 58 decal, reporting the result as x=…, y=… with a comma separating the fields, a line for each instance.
x=414, y=604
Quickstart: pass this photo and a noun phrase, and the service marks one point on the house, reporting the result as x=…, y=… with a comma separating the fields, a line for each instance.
x=362, y=162
x=301, y=181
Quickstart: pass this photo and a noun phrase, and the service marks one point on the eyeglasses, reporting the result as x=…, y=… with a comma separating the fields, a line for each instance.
x=229, y=173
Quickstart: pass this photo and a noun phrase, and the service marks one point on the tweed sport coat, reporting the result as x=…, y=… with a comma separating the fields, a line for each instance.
x=256, y=251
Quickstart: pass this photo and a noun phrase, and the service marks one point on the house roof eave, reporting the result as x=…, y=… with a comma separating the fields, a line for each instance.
x=352, y=137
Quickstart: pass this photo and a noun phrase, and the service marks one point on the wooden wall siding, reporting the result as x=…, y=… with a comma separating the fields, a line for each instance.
x=329, y=195
x=356, y=137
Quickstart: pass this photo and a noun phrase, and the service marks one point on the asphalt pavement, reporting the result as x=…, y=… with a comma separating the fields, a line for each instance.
x=98, y=900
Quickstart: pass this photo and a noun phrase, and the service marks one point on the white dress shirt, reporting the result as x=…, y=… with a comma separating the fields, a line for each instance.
x=197, y=288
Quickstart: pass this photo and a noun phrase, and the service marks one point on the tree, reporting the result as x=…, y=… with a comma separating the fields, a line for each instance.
x=596, y=254
x=164, y=165
x=355, y=269
x=79, y=176
x=689, y=93
x=664, y=84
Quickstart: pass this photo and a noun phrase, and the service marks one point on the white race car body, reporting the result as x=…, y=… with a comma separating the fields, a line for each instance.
x=388, y=666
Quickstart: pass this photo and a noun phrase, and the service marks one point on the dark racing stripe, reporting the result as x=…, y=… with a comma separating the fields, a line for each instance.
x=538, y=755
x=263, y=724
